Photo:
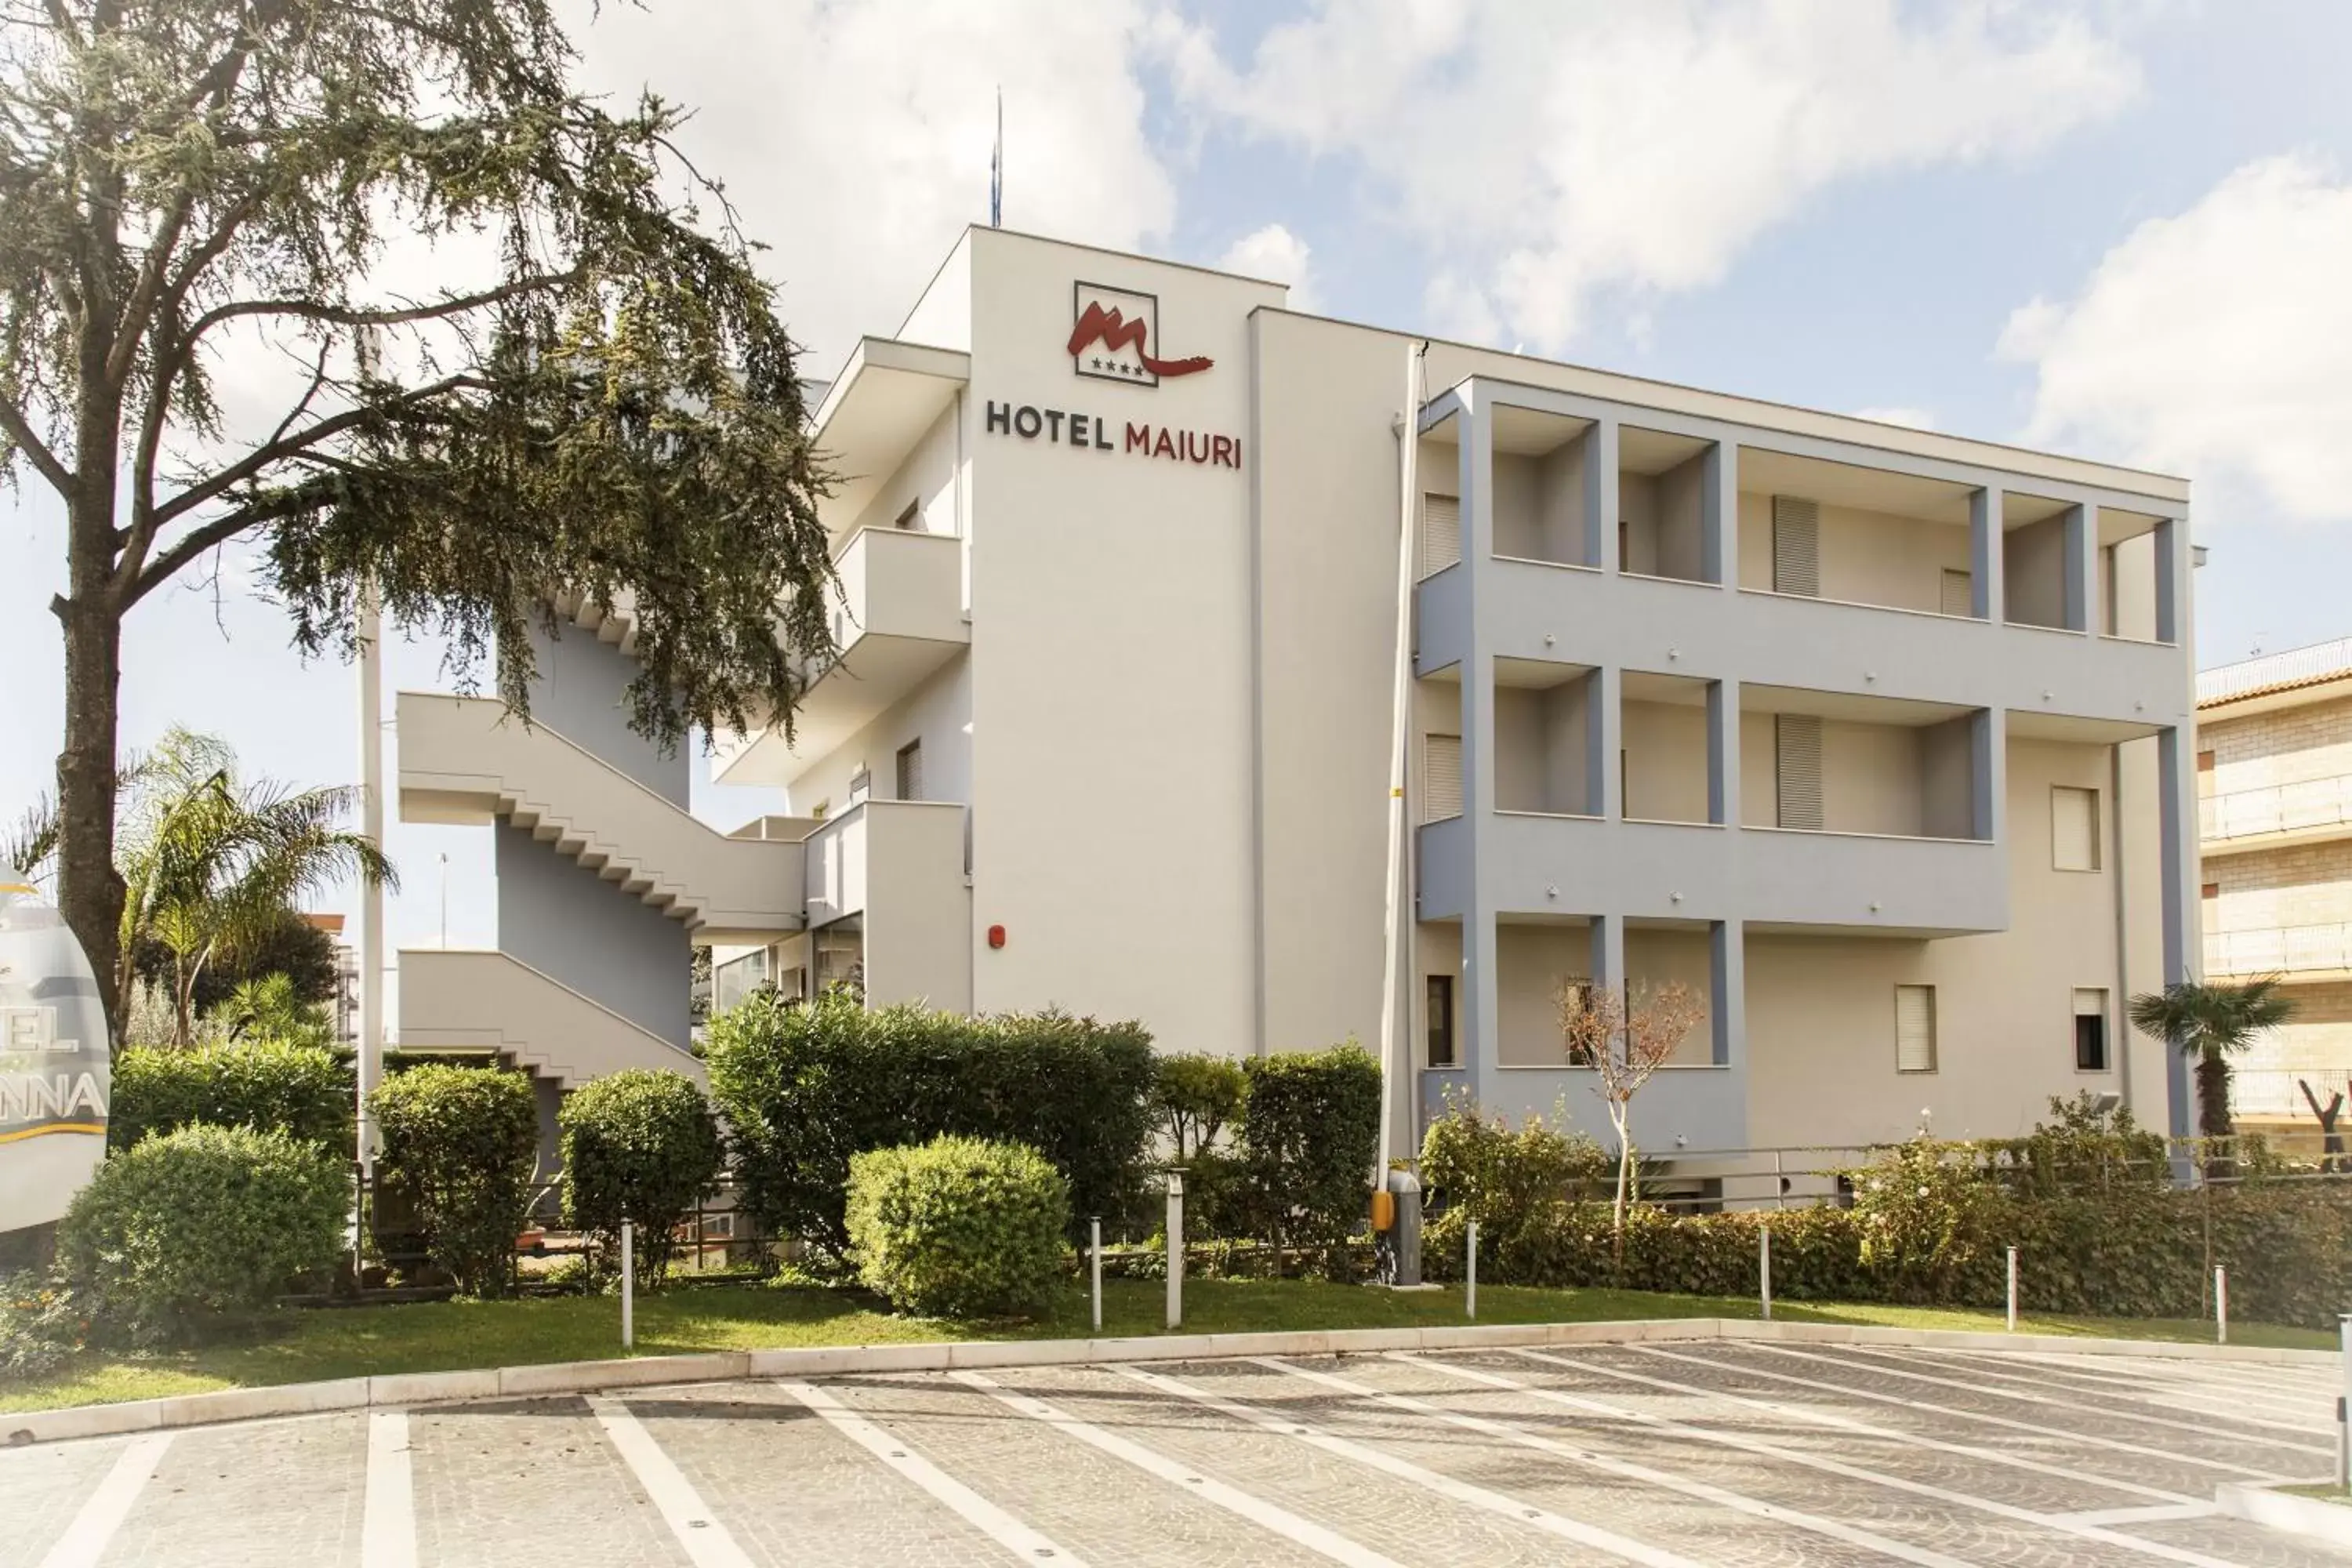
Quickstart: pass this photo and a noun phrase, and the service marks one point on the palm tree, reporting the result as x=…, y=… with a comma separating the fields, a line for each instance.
x=212, y=863
x=2210, y=1023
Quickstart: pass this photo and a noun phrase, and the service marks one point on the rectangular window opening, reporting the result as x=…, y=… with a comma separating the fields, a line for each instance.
x=911, y=771
x=1797, y=755
x=1796, y=546
x=1441, y=532
x=2090, y=1030
x=2073, y=828
x=1914, y=1029
x=1441, y=777
x=1440, y=1021
x=1959, y=593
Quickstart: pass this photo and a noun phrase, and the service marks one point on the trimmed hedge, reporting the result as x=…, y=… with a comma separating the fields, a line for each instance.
x=642, y=1146
x=460, y=1148
x=1309, y=1133
x=2100, y=1230
x=186, y=1232
x=268, y=1085
x=959, y=1227
x=805, y=1088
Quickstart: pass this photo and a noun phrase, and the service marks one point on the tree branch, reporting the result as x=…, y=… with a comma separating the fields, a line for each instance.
x=343, y=316
x=218, y=531
x=13, y=421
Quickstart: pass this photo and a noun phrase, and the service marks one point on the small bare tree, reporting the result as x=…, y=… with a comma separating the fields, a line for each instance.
x=1623, y=1036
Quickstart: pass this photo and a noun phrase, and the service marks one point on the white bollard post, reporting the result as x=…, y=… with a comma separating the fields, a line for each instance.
x=1095, y=1250
x=2344, y=1410
x=2221, y=1305
x=1764, y=1267
x=628, y=1285
x=2013, y=1290
x=1175, y=1249
x=1470, y=1294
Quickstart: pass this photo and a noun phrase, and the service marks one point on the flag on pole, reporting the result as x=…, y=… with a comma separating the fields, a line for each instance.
x=996, y=169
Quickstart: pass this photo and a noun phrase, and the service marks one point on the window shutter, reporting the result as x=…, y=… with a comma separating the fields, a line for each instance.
x=2073, y=829
x=1914, y=1029
x=911, y=771
x=1796, y=546
x=1441, y=532
x=1441, y=776
x=1959, y=593
x=1797, y=744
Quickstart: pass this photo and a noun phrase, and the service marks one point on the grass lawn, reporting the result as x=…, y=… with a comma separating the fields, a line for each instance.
x=448, y=1336
x=2324, y=1493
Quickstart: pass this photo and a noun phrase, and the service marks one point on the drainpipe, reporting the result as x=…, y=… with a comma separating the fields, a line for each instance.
x=1396, y=1074
x=2122, y=1020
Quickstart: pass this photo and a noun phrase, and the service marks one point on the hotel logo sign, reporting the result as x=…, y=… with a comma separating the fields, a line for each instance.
x=1113, y=332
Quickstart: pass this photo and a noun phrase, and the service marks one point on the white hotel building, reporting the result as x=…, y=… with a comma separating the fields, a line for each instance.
x=1879, y=739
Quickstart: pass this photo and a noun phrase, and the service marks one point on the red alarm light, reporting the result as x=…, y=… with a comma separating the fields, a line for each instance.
x=996, y=936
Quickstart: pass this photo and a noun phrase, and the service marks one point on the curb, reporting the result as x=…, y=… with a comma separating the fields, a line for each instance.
x=2316, y=1518
x=405, y=1389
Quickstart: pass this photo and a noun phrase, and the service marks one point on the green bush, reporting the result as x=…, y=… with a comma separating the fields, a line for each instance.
x=300, y=1090
x=957, y=1227
x=805, y=1088
x=460, y=1148
x=41, y=1324
x=1195, y=1097
x=1309, y=1133
x=641, y=1146
x=185, y=1232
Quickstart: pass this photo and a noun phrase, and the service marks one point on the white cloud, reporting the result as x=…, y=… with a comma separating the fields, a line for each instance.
x=1551, y=151
x=1277, y=256
x=2213, y=343
x=1912, y=418
x=855, y=139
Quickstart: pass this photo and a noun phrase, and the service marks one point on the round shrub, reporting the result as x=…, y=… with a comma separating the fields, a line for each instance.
x=188, y=1231
x=266, y=1084
x=959, y=1227
x=460, y=1148
x=641, y=1146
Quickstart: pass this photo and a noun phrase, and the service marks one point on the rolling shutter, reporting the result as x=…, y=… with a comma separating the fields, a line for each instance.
x=1441, y=532
x=1797, y=748
x=1914, y=1029
x=1959, y=593
x=1796, y=546
x=2073, y=829
x=1441, y=776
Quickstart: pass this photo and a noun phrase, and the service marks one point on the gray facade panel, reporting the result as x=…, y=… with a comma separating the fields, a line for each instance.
x=580, y=693
x=611, y=947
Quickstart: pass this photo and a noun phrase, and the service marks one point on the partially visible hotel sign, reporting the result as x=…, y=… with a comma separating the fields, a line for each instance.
x=1112, y=334
x=54, y=1078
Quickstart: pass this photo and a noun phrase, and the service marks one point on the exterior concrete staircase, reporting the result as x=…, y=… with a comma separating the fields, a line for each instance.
x=477, y=1001
x=469, y=760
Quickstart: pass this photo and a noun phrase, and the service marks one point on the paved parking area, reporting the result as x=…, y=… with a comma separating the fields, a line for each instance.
x=1753, y=1455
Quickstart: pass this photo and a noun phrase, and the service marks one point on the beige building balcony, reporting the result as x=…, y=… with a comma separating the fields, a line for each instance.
x=2302, y=953
x=890, y=874
x=896, y=618
x=2275, y=816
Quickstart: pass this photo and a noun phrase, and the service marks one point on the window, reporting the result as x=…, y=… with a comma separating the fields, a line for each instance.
x=910, y=519
x=2090, y=1031
x=1440, y=1021
x=1914, y=1029
x=2205, y=761
x=911, y=771
x=1797, y=758
x=2210, y=890
x=2073, y=828
x=1441, y=776
x=1796, y=546
x=1959, y=593
x=1441, y=532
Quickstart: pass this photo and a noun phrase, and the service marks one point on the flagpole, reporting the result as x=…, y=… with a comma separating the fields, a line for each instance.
x=996, y=169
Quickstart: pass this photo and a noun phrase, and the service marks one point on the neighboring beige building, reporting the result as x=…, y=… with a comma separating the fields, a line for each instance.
x=2275, y=822
x=1878, y=738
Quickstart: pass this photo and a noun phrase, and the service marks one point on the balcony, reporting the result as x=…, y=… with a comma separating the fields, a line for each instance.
x=896, y=618
x=892, y=871
x=2309, y=811
x=2305, y=954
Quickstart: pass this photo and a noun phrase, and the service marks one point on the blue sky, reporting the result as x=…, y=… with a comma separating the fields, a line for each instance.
x=2116, y=228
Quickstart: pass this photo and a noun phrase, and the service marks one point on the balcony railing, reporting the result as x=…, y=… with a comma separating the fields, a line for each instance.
x=2304, y=807
x=2280, y=949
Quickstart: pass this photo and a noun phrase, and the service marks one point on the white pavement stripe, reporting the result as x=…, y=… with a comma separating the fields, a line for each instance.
x=1267, y=1516
x=1446, y=1486
x=1858, y=1472
x=1878, y=1395
x=1029, y=1545
x=2141, y=1515
x=1893, y=1362
x=87, y=1538
x=705, y=1540
x=2201, y=1399
x=1894, y=1435
x=1707, y=1491
x=388, y=1516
